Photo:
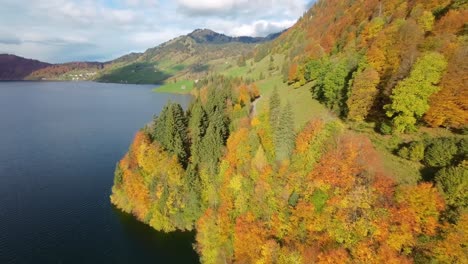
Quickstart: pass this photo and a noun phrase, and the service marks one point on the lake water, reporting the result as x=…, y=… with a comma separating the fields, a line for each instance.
x=59, y=143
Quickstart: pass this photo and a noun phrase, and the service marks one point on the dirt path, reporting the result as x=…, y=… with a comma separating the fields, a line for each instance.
x=253, y=107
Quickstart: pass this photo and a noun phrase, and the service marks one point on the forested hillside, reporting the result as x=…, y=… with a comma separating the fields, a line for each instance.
x=73, y=71
x=266, y=174
x=17, y=68
x=369, y=59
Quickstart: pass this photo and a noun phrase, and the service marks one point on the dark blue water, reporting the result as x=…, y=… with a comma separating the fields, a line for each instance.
x=59, y=143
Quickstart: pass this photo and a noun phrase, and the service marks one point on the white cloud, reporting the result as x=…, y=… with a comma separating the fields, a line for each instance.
x=139, y=3
x=84, y=12
x=260, y=28
x=241, y=7
x=122, y=16
x=62, y=30
x=211, y=5
x=150, y=39
x=9, y=38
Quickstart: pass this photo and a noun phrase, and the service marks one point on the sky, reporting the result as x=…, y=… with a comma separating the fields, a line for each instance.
x=60, y=31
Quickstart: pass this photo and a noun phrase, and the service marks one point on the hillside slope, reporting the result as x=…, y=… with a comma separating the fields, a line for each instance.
x=380, y=47
x=73, y=71
x=17, y=68
x=260, y=188
x=191, y=57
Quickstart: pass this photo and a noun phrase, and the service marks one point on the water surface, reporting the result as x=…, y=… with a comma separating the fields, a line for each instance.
x=59, y=143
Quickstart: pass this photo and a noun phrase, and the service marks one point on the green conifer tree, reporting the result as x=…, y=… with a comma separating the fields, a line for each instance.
x=171, y=132
x=286, y=134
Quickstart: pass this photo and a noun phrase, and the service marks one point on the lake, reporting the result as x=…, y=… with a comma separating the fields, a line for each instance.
x=59, y=143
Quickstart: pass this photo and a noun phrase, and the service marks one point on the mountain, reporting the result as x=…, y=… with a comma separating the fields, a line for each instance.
x=190, y=56
x=209, y=36
x=72, y=71
x=126, y=58
x=17, y=68
x=274, y=36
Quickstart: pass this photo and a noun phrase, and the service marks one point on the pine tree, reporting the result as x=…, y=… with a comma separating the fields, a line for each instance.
x=275, y=114
x=285, y=135
x=275, y=109
x=211, y=147
x=271, y=66
x=159, y=124
x=197, y=127
x=171, y=132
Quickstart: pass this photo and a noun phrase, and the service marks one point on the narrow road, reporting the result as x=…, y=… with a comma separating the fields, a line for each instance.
x=253, y=107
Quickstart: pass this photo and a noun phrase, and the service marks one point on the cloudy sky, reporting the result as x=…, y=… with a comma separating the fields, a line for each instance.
x=99, y=30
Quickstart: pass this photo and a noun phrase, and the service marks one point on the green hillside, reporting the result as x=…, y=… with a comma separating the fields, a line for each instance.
x=190, y=57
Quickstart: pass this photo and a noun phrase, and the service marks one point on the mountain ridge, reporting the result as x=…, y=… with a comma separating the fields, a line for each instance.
x=87, y=70
x=210, y=36
x=13, y=67
x=191, y=56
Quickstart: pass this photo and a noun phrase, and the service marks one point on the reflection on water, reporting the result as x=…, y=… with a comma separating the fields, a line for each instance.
x=168, y=246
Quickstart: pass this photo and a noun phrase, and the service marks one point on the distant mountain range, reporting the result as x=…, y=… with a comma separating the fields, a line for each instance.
x=209, y=36
x=14, y=68
x=190, y=55
x=17, y=68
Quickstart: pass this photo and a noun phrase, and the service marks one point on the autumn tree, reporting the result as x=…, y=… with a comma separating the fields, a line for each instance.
x=151, y=184
x=449, y=107
x=249, y=234
x=426, y=20
x=209, y=239
x=363, y=93
x=410, y=97
x=373, y=28
x=452, y=247
x=293, y=74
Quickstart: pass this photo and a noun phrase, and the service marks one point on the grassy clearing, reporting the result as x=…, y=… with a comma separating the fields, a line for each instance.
x=135, y=73
x=257, y=71
x=402, y=170
x=305, y=108
x=266, y=86
x=180, y=87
